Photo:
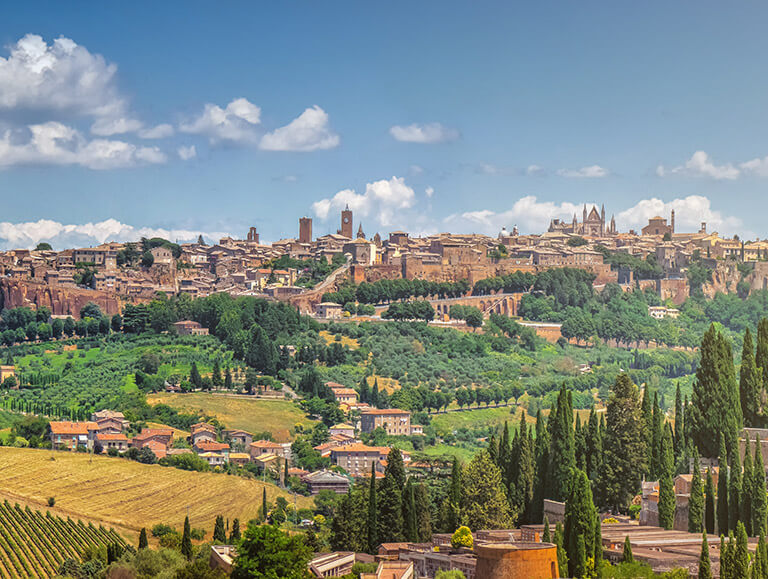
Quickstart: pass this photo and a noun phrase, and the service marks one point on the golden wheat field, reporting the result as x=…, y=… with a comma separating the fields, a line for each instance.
x=127, y=494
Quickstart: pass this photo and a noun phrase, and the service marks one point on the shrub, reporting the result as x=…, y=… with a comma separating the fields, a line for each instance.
x=51, y=501
x=462, y=538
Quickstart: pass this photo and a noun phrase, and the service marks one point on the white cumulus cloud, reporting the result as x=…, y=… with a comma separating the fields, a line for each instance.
x=106, y=127
x=381, y=199
x=237, y=123
x=428, y=133
x=54, y=143
x=590, y=172
x=700, y=165
x=528, y=213
x=161, y=131
x=310, y=131
x=63, y=236
x=58, y=78
x=758, y=167
x=690, y=211
x=187, y=153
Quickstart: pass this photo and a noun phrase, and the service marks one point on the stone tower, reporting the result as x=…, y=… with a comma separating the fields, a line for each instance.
x=346, y=223
x=305, y=230
x=253, y=235
x=672, y=221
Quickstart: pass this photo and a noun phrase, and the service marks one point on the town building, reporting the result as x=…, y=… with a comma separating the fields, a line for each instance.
x=190, y=328
x=393, y=420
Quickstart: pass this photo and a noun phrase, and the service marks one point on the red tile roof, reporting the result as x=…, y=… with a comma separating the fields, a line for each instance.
x=70, y=427
x=104, y=436
x=212, y=446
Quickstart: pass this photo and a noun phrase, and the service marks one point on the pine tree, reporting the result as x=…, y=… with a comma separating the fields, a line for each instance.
x=186, y=540
x=705, y=567
x=740, y=556
x=579, y=521
x=715, y=407
x=562, y=556
x=373, y=541
x=626, y=556
x=696, y=500
x=745, y=508
x=546, y=537
x=143, y=542
x=562, y=458
x=734, y=489
x=723, y=519
x=709, y=504
x=423, y=517
x=484, y=502
x=234, y=536
x=759, y=502
x=750, y=383
x=624, y=451
x=219, y=534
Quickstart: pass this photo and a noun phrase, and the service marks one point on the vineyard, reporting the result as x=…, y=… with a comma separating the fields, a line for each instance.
x=35, y=545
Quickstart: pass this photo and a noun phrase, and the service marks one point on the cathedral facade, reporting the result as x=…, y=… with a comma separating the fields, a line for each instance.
x=592, y=224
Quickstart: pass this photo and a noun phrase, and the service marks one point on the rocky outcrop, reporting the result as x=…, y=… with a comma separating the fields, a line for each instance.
x=61, y=300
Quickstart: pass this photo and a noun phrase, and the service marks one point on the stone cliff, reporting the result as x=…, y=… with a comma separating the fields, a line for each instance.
x=61, y=300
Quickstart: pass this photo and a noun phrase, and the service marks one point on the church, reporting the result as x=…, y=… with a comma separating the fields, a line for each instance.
x=592, y=224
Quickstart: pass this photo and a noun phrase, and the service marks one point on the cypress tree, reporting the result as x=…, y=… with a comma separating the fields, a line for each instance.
x=666, y=502
x=503, y=458
x=228, y=379
x=745, y=508
x=656, y=440
x=705, y=567
x=715, y=407
x=523, y=484
x=562, y=556
x=740, y=555
x=454, y=498
x=579, y=559
x=264, y=508
x=186, y=540
x=143, y=542
x=546, y=537
x=734, y=490
x=219, y=534
x=234, y=536
x=709, y=504
x=759, y=503
x=364, y=396
x=723, y=519
x=390, y=499
x=679, y=424
x=423, y=517
x=542, y=463
x=647, y=416
x=597, y=554
x=761, y=555
x=579, y=445
x=579, y=522
x=594, y=449
x=562, y=458
x=373, y=541
x=750, y=384
x=761, y=355
x=725, y=558
x=626, y=556
x=410, y=531
x=696, y=501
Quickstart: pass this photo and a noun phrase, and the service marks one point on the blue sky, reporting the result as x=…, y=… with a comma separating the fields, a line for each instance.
x=430, y=116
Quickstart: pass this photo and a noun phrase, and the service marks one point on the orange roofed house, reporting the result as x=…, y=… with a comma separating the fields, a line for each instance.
x=157, y=439
x=109, y=440
x=70, y=435
x=393, y=420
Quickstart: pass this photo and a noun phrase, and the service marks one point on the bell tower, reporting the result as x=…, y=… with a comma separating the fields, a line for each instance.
x=346, y=223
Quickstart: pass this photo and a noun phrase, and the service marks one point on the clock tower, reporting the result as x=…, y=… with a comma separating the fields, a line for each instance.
x=346, y=222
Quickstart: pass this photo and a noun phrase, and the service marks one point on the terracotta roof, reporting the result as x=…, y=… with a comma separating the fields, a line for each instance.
x=362, y=448
x=72, y=427
x=265, y=444
x=239, y=456
x=344, y=391
x=212, y=446
x=104, y=436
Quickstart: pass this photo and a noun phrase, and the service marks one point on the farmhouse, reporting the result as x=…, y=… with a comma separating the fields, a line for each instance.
x=326, y=480
x=393, y=420
x=239, y=437
x=108, y=440
x=190, y=328
x=70, y=435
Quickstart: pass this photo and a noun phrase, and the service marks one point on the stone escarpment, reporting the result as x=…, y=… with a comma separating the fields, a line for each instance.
x=60, y=299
